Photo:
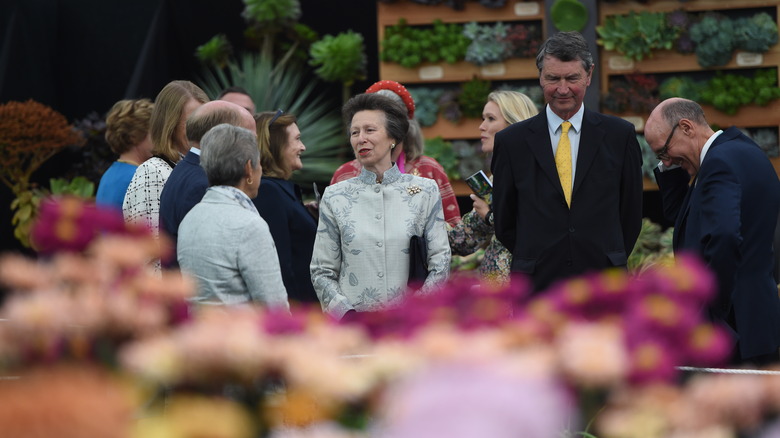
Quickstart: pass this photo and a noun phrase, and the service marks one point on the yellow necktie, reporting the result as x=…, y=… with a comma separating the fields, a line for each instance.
x=563, y=161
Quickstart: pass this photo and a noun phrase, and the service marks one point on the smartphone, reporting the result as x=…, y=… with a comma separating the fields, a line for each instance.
x=480, y=184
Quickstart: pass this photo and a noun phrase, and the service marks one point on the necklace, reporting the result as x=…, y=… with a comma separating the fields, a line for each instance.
x=128, y=162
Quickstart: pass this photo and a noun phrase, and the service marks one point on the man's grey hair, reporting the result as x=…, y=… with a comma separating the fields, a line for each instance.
x=679, y=109
x=565, y=46
x=224, y=152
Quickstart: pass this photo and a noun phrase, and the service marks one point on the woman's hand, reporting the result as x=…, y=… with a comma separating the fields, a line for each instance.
x=480, y=206
x=314, y=209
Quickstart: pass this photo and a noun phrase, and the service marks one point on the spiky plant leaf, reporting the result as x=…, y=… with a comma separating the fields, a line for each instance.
x=289, y=87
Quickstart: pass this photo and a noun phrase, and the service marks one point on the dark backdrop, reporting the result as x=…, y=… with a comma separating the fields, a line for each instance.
x=81, y=56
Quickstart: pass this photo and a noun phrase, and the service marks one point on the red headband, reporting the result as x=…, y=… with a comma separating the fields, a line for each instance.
x=398, y=89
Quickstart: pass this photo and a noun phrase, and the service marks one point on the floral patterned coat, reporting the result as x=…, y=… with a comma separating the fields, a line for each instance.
x=361, y=251
x=424, y=166
x=471, y=234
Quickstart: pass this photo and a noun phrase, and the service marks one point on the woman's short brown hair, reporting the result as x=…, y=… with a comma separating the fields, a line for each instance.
x=167, y=116
x=396, y=118
x=127, y=124
x=272, y=139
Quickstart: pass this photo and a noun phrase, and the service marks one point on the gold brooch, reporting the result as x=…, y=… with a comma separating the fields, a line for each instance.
x=413, y=190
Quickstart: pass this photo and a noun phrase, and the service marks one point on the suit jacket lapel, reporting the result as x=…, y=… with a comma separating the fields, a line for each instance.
x=682, y=218
x=591, y=138
x=539, y=143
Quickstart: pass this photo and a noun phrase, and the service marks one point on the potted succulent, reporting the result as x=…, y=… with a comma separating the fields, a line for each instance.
x=636, y=35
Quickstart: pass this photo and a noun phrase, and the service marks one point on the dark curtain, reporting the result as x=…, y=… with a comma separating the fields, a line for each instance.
x=81, y=56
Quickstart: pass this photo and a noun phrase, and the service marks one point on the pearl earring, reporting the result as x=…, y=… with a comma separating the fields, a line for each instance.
x=392, y=146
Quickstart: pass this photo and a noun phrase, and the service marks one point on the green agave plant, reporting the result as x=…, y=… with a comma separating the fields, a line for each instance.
x=288, y=86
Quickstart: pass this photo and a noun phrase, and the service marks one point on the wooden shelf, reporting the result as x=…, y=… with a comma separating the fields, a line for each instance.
x=416, y=14
x=750, y=116
x=388, y=14
x=465, y=129
x=669, y=61
x=624, y=7
x=462, y=71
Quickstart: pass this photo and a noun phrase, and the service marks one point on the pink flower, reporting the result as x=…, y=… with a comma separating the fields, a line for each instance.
x=708, y=345
x=593, y=355
x=651, y=361
x=474, y=400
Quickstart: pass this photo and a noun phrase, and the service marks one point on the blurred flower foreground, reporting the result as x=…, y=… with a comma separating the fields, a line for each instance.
x=93, y=344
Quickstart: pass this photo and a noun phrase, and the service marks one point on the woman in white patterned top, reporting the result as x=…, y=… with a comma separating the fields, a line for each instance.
x=361, y=252
x=175, y=102
x=223, y=241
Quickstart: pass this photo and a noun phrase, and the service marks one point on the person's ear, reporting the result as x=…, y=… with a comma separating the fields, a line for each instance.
x=248, y=169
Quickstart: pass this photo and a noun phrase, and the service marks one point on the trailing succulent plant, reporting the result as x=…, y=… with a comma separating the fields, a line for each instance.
x=523, y=40
x=766, y=138
x=649, y=161
x=755, y=34
x=411, y=46
x=488, y=43
x=441, y=150
x=636, y=35
x=426, y=107
x=470, y=157
x=714, y=39
x=472, y=97
x=635, y=92
x=681, y=86
x=339, y=58
x=717, y=36
x=728, y=92
x=683, y=21
x=216, y=51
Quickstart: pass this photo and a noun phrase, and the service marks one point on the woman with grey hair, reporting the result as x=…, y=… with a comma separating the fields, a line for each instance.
x=361, y=257
x=223, y=241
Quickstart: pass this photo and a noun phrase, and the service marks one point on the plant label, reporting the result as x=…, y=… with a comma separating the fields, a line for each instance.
x=749, y=59
x=620, y=63
x=524, y=9
x=431, y=72
x=495, y=69
x=638, y=122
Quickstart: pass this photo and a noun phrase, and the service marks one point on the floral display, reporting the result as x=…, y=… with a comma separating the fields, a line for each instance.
x=30, y=134
x=596, y=355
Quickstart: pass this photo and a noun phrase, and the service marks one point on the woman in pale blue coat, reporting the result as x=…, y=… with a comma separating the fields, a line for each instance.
x=223, y=241
x=361, y=251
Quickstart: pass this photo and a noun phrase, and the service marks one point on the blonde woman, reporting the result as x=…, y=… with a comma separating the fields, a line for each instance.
x=475, y=231
x=175, y=102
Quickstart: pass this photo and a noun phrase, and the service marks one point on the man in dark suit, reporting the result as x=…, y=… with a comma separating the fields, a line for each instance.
x=727, y=216
x=187, y=183
x=567, y=195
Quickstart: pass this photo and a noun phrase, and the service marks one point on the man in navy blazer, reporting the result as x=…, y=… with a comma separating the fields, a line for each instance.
x=727, y=216
x=553, y=234
x=187, y=183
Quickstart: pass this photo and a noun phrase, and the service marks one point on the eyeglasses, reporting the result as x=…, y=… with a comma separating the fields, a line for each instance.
x=663, y=154
x=276, y=116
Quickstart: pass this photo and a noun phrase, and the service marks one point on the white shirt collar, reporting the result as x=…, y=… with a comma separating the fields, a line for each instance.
x=707, y=145
x=554, y=122
x=195, y=150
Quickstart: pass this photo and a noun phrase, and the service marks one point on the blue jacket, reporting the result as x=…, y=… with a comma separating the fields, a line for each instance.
x=293, y=229
x=728, y=217
x=185, y=188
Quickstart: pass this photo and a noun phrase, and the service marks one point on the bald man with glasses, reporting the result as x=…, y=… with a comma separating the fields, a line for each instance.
x=724, y=196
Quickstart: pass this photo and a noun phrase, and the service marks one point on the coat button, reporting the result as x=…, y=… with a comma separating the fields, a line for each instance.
x=379, y=244
x=571, y=229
